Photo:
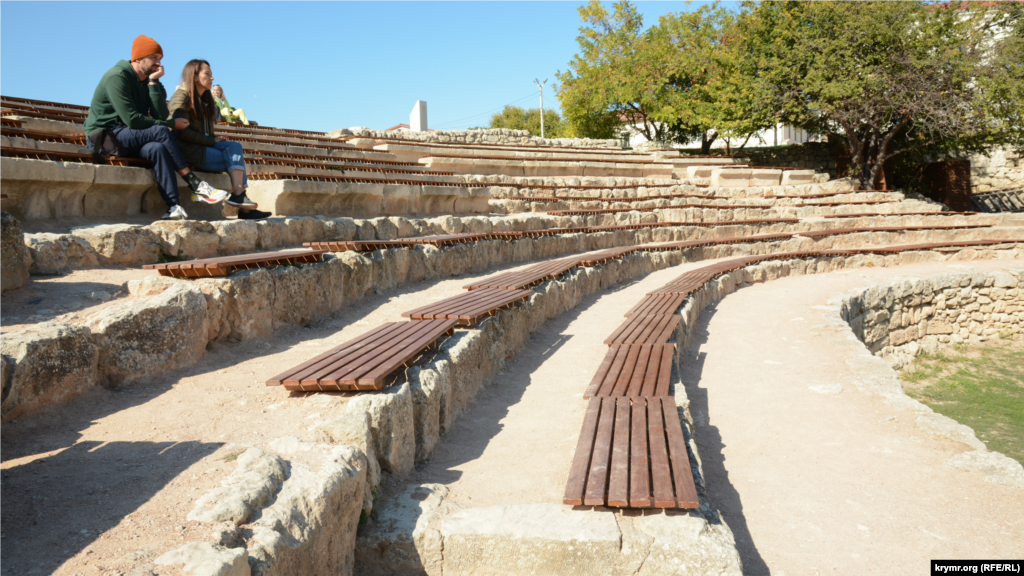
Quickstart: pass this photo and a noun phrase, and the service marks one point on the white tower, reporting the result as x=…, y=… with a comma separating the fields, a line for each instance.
x=418, y=117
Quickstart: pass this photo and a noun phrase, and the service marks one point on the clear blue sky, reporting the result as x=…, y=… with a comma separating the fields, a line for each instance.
x=310, y=65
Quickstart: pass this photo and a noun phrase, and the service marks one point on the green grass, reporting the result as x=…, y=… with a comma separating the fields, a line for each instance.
x=980, y=387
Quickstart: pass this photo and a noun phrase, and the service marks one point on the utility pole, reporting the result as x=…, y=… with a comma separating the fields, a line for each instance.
x=541, y=86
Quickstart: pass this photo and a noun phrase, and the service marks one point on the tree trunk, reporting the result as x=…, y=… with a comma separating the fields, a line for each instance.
x=705, y=142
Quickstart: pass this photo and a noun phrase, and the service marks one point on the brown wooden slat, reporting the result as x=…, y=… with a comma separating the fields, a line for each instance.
x=618, y=475
x=645, y=330
x=580, y=467
x=639, y=461
x=661, y=475
x=597, y=478
x=468, y=307
x=682, y=475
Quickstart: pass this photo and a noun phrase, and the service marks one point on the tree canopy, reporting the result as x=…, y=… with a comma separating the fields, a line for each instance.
x=515, y=118
x=891, y=77
x=683, y=79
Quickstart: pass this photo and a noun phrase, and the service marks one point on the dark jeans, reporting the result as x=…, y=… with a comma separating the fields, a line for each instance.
x=157, y=145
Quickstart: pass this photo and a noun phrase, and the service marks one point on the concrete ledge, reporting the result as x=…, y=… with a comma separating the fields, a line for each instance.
x=731, y=177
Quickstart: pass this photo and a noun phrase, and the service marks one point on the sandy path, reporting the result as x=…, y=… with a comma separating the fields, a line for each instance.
x=515, y=443
x=817, y=483
x=105, y=482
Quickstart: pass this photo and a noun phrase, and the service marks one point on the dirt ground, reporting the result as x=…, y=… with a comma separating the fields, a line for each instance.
x=67, y=298
x=807, y=482
x=105, y=482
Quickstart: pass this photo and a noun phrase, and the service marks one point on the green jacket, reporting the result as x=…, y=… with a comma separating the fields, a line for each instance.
x=121, y=99
x=192, y=141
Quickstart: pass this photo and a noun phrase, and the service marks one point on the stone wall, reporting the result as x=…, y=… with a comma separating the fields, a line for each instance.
x=484, y=136
x=898, y=320
x=1003, y=169
x=15, y=259
x=819, y=156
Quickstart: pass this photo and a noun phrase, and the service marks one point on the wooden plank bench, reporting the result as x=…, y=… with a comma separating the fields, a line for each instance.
x=371, y=245
x=364, y=363
x=469, y=307
x=61, y=156
x=873, y=214
x=632, y=370
x=528, y=276
x=356, y=179
x=657, y=304
x=631, y=454
x=645, y=330
x=225, y=265
x=606, y=255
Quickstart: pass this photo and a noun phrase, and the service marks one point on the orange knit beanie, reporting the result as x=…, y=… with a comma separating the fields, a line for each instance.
x=145, y=46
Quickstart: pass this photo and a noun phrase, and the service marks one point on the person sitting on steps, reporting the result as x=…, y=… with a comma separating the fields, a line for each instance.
x=198, y=142
x=128, y=117
x=227, y=113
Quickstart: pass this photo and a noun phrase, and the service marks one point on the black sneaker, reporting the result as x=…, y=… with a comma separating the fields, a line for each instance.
x=252, y=215
x=241, y=200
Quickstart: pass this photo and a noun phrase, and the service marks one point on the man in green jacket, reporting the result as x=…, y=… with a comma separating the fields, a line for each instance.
x=128, y=110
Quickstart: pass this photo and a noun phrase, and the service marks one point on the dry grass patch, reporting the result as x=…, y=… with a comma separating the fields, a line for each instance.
x=981, y=387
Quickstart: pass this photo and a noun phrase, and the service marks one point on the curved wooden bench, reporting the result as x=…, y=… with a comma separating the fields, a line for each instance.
x=225, y=265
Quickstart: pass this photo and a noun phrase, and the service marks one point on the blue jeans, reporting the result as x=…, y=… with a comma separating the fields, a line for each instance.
x=225, y=157
x=157, y=145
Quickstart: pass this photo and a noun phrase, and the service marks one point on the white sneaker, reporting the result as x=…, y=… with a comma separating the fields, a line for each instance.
x=209, y=194
x=175, y=213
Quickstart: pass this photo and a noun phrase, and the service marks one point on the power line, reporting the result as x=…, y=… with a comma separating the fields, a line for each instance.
x=502, y=107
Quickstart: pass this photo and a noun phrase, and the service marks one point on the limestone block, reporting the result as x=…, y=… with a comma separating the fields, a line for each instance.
x=765, y=177
x=247, y=309
x=56, y=253
x=310, y=528
x=730, y=177
x=392, y=426
x=684, y=543
x=997, y=468
x=41, y=189
x=400, y=540
x=305, y=198
x=236, y=236
x=145, y=336
x=14, y=256
x=385, y=228
x=46, y=364
x=431, y=389
x=118, y=190
x=945, y=426
x=206, y=559
x=538, y=539
x=797, y=177
x=353, y=429
x=187, y=238
x=256, y=479
x=121, y=244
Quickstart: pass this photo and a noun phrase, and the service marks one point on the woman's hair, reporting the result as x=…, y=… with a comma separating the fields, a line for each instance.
x=189, y=81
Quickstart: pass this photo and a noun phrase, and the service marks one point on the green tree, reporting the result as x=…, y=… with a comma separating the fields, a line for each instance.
x=891, y=78
x=515, y=118
x=684, y=79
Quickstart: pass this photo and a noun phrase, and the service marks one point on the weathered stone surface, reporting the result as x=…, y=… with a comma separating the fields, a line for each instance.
x=204, y=559
x=236, y=236
x=14, y=256
x=55, y=253
x=256, y=479
x=147, y=336
x=431, y=390
x=685, y=544
x=400, y=540
x=353, y=428
x=187, y=238
x=391, y=424
x=997, y=468
x=538, y=539
x=121, y=244
x=310, y=528
x=45, y=365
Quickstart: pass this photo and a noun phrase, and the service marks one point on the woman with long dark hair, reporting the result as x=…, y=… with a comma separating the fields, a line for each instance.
x=198, y=142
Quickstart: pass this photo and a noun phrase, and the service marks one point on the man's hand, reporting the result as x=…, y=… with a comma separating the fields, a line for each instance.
x=157, y=72
x=222, y=138
x=180, y=123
